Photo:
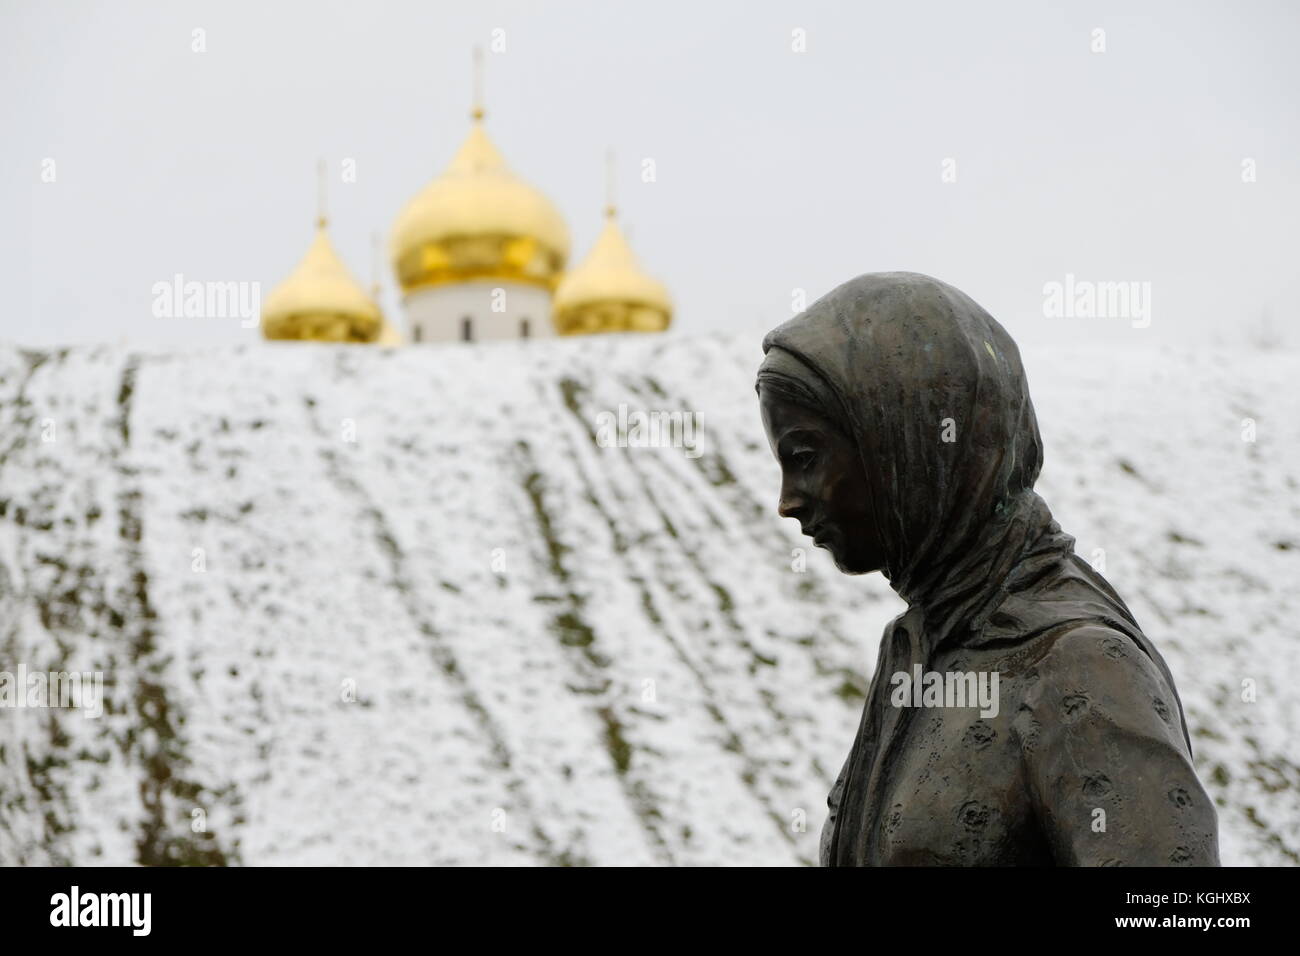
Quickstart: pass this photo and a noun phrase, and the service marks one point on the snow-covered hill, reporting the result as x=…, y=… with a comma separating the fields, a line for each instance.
x=363, y=606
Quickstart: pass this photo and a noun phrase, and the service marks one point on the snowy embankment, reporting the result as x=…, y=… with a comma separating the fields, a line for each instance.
x=365, y=606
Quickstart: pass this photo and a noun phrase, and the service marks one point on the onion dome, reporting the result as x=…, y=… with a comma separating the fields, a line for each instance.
x=608, y=291
x=479, y=220
x=320, y=301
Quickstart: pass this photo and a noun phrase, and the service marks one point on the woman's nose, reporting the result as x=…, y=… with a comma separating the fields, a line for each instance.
x=791, y=504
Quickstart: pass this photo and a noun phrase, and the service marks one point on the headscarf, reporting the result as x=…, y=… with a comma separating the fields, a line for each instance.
x=932, y=391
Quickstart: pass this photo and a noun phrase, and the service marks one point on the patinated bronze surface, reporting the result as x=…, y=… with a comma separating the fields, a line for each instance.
x=900, y=414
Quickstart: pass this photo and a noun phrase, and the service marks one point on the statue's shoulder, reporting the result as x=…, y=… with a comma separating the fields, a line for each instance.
x=1093, y=675
x=1085, y=646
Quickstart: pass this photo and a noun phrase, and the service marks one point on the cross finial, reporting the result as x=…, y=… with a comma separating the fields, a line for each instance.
x=477, y=112
x=611, y=207
x=321, y=219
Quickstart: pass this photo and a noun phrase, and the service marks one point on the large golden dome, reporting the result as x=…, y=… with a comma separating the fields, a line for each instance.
x=321, y=301
x=479, y=220
x=608, y=292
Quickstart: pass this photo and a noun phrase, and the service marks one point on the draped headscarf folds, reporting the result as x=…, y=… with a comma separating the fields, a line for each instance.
x=932, y=391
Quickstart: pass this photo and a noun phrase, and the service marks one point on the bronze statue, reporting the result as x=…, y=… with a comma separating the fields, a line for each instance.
x=1018, y=715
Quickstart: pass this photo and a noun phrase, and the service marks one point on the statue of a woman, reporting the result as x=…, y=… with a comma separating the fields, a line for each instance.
x=900, y=414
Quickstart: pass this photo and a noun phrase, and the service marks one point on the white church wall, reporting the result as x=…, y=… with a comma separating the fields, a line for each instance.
x=480, y=311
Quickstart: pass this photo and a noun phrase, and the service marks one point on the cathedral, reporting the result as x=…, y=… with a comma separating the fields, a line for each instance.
x=480, y=255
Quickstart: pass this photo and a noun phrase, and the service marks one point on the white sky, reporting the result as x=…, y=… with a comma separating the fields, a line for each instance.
x=776, y=170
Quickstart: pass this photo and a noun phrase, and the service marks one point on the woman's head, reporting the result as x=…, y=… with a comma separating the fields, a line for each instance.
x=823, y=484
x=921, y=386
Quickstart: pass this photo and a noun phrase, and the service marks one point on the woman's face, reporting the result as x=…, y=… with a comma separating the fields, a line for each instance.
x=823, y=484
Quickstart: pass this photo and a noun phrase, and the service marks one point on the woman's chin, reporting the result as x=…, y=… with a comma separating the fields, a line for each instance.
x=852, y=563
x=846, y=564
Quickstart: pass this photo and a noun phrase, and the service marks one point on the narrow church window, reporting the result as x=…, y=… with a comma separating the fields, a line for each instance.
x=467, y=329
x=417, y=330
x=523, y=328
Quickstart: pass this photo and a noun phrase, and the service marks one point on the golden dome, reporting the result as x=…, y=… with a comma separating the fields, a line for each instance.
x=320, y=301
x=479, y=220
x=608, y=292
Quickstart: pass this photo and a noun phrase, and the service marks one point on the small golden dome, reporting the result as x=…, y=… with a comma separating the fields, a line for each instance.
x=608, y=292
x=320, y=301
x=479, y=220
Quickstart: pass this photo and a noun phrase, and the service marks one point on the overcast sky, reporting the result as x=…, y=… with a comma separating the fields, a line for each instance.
x=776, y=169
